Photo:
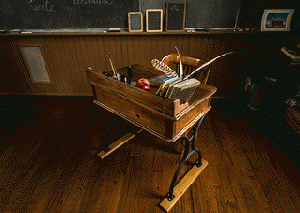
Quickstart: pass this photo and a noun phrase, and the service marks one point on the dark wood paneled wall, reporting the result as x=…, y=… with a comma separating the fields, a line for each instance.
x=68, y=56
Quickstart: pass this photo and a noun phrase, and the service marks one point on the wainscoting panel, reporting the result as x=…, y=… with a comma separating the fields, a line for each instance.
x=69, y=56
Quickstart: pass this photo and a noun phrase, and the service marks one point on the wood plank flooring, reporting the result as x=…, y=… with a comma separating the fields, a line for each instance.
x=49, y=162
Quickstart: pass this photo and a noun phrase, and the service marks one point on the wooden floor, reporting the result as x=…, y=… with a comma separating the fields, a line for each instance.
x=49, y=162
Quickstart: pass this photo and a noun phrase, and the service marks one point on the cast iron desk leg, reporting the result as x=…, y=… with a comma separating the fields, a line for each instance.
x=116, y=118
x=189, y=142
x=109, y=148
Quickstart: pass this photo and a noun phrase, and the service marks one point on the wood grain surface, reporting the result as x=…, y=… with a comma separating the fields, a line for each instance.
x=49, y=162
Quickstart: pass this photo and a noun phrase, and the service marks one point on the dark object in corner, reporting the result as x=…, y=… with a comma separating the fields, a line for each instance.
x=264, y=93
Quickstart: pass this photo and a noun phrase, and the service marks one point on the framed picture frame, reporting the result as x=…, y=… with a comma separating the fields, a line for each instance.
x=135, y=22
x=175, y=15
x=36, y=62
x=276, y=20
x=154, y=20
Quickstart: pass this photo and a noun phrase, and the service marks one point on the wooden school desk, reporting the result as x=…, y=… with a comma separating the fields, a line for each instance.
x=164, y=118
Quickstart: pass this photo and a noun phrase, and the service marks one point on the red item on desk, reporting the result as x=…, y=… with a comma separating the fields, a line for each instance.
x=144, y=84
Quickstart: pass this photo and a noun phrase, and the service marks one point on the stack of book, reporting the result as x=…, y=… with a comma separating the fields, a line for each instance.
x=291, y=57
x=176, y=88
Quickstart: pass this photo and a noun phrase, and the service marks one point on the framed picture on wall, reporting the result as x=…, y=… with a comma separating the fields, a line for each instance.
x=135, y=22
x=276, y=20
x=154, y=20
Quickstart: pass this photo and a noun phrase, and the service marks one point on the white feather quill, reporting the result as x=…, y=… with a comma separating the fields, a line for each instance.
x=204, y=65
x=180, y=68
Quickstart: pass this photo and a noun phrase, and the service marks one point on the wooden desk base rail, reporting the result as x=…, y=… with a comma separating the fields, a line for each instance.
x=115, y=145
x=183, y=185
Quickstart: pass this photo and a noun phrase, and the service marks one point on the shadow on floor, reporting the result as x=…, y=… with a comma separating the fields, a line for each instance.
x=269, y=123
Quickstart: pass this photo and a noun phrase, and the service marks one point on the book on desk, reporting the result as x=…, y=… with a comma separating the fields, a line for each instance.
x=174, y=87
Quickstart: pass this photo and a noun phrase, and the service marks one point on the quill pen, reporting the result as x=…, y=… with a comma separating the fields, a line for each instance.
x=161, y=66
x=207, y=63
x=180, y=68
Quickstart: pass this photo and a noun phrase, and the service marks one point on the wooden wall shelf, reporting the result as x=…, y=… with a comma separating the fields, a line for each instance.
x=125, y=33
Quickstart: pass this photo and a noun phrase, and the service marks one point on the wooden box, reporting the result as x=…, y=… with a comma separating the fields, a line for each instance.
x=167, y=119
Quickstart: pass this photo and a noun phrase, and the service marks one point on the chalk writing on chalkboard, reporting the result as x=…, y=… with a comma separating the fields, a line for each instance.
x=175, y=15
x=92, y=2
x=46, y=6
x=62, y=14
x=83, y=14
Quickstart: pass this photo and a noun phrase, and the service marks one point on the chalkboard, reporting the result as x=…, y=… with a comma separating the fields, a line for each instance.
x=206, y=13
x=45, y=14
x=175, y=15
x=212, y=13
x=154, y=20
x=135, y=22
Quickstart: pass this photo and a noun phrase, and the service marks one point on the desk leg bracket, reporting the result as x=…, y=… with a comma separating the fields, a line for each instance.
x=109, y=148
x=175, y=192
